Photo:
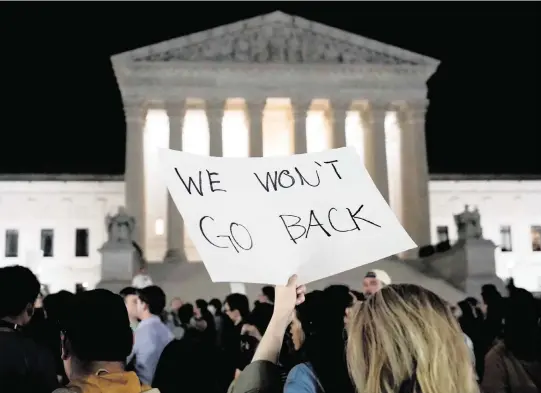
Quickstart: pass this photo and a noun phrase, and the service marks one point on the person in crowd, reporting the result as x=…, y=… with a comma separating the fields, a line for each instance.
x=97, y=338
x=151, y=335
x=266, y=295
x=320, y=336
x=510, y=286
x=56, y=308
x=176, y=303
x=374, y=280
x=46, y=333
x=473, y=331
x=215, y=308
x=25, y=366
x=476, y=306
x=405, y=339
x=204, y=322
x=358, y=296
x=188, y=365
x=402, y=339
x=237, y=308
x=185, y=315
x=129, y=294
x=492, y=308
x=513, y=365
x=171, y=318
x=57, y=304
x=261, y=316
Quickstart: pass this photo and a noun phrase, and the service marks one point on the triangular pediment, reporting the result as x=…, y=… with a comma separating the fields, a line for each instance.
x=276, y=38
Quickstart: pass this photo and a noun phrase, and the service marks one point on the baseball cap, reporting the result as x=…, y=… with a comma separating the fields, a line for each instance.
x=380, y=275
x=98, y=326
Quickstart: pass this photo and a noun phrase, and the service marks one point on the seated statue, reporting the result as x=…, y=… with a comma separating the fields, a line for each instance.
x=469, y=224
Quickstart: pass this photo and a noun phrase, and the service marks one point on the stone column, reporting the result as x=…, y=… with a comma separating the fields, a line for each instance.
x=254, y=111
x=176, y=111
x=300, y=109
x=375, y=156
x=215, y=113
x=415, y=177
x=134, y=181
x=339, y=115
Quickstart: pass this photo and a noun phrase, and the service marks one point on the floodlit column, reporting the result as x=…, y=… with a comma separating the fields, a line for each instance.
x=134, y=181
x=176, y=111
x=415, y=177
x=215, y=115
x=254, y=110
x=340, y=110
x=300, y=109
x=375, y=158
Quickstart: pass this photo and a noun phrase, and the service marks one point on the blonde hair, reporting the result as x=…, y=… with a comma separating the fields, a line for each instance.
x=407, y=333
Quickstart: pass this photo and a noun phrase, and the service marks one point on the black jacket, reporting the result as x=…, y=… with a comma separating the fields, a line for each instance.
x=24, y=365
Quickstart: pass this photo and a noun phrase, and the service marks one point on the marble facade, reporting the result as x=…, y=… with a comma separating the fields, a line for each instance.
x=280, y=63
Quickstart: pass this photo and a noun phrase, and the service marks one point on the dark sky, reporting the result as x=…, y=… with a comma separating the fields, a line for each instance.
x=62, y=111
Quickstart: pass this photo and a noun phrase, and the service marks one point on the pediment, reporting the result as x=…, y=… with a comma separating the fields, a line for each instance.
x=277, y=38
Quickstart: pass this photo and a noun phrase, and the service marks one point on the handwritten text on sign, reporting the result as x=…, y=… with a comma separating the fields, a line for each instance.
x=261, y=219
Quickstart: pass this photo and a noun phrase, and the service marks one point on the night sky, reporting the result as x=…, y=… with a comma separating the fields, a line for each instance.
x=62, y=111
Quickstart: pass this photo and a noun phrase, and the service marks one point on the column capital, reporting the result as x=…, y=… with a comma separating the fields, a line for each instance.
x=215, y=104
x=340, y=104
x=135, y=110
x=257, y=104
x=175, y=108
x=411, y=114
x=378, y=110
x=300, y=104
x=379, y=106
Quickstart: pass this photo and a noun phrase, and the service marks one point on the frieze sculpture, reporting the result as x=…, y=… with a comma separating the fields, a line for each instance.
x=468, y=224
x=277, y=42
x=120, y=227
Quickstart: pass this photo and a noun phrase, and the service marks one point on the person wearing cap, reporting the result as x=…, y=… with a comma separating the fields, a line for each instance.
x=96, y=340
x=374, y=280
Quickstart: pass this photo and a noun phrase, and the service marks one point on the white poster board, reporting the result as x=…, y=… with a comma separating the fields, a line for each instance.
x=260, y=220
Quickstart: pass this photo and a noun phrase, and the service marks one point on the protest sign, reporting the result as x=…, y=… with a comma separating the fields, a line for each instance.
x=260, y=220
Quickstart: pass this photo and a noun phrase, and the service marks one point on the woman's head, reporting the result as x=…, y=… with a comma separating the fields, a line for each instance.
x=306, y=319
x=318, y=330
x=406, y=334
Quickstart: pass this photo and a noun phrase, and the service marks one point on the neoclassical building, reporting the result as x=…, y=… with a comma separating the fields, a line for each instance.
x=273, y=85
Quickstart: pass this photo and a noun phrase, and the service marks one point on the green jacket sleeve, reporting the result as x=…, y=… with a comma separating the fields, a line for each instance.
x=259, y=377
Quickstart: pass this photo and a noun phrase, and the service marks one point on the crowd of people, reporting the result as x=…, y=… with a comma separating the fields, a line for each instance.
x=386, y=338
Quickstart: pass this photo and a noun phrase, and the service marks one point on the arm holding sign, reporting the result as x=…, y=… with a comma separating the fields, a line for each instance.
x=262, y=375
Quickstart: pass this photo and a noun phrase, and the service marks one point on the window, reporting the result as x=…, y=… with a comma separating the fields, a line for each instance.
x=12, y=243
x=443, y=234
x=536, y=238
x=505, y=238
x=47, y=242
x=81, y=242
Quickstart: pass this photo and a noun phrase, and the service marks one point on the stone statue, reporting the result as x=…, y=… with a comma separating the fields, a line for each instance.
x=120, y=227
x=468, y=224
